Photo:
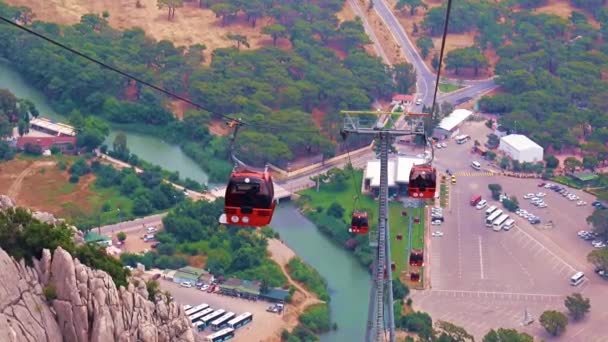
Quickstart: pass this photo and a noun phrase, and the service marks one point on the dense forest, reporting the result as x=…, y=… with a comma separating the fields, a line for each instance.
x=274, y=89
x=552, y=70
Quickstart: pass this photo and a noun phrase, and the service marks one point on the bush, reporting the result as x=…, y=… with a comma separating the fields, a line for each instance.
x=316, y=318
x=74, y=179
x=304, y=273
x=50, y=292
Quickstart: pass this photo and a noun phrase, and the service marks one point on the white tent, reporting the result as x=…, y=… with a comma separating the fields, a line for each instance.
x=521, y=148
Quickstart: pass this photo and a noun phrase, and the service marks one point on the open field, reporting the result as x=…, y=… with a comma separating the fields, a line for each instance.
x=38, y=183
x=191, y=24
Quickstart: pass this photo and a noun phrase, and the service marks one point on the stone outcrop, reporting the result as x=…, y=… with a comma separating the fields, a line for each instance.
x=87, y=306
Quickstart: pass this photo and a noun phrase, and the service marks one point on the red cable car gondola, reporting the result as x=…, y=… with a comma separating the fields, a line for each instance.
x=423, y=181
x=359, y=223
x=249, y=199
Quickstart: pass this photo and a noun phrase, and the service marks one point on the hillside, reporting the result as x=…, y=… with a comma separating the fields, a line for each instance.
x=191, y=24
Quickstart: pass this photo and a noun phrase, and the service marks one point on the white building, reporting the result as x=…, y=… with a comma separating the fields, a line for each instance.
x=398, y=174
x=450, y=125
x=521, y=148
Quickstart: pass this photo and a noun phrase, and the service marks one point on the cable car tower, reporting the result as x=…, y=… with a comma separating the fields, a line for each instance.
x=384, y=128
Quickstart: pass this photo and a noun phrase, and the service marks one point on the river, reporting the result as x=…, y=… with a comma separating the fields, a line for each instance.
x=348, y=282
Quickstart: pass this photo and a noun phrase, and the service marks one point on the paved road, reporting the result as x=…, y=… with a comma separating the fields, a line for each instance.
x=483, y=279
x=425, y=79
x=128, y=226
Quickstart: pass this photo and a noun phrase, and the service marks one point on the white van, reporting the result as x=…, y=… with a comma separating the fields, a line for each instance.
x=577, y=278
x=509, y=224
x=482, y=204
x=476, y=165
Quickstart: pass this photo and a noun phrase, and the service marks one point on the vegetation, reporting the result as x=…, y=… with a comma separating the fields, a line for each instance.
x=314, y=320
x=272, y=89
x=302, y=272
x=153, y=289
x=192, y=229
x=50, y=292
x=496, y=190
x=507, y=335
x=554, y=322
x=450, y=332
x=599, y=258
x=599, y=221
x=448, y=87
x=24, y=237
x=577, y=306
x=511, y=204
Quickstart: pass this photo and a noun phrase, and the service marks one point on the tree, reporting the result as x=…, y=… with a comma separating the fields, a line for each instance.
x=400, y=290
x=465, y=58
x=551, y=162
x=590, y=162
x=571, y=163
x=510, y=204
x=554, y=322
x=335, y=210
x=405, y=76
x=577, y=305
x=425, y=44
x=599, y=220
x=276, y=31
x=507, y=335
x=451, y=332
x=239, y=39
x=505, y=163
x=171, y=6
x=496, y=189
x=412, y=4
x=121, y=236
x=599, y=258
x=119, y=146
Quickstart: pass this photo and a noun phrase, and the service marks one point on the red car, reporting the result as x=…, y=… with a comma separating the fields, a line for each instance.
x=540, y=185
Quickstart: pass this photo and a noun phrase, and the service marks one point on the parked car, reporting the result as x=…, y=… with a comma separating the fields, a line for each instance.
x=540, y=185
x=435, y=222
x=581, y=203
x=437, y=234
x=528, y=196
x=541, y=194
x=205, y=287
x=151, y=229
x=186, y=284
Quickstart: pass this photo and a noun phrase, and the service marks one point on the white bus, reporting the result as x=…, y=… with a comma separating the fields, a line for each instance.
x=461, y=139
x=475, y=164
x=200, y=326
x=212, y=317
x=222, y=322
x=510, y=223
x=220, y=336
x=490, y=210
x=187, y=307
x=499, y=222
x=197, y=316
x=241, y=320
x=577, y=278
x=191, y=311
x=490, y=219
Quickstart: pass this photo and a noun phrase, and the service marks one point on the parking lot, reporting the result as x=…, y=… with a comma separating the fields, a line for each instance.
x=482, y=279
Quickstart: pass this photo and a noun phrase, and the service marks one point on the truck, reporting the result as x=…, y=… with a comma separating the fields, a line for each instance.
x=475, y=199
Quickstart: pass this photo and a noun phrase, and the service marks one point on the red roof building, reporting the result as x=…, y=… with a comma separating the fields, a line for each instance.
x=66, y=144
x=403, y=98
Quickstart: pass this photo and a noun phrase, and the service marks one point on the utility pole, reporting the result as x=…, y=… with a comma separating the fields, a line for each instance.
x=381, y=318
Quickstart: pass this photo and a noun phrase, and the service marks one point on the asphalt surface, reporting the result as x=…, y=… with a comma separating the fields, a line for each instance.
x=481, y=279
x=425, y=79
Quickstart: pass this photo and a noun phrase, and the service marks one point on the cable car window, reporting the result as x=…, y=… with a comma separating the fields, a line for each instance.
x=252, y=194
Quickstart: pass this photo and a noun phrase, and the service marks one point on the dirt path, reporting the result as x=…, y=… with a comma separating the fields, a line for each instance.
x=13, y=191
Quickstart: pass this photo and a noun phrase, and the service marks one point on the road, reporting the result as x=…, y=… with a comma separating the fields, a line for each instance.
x=425, y=79
x=128, y=226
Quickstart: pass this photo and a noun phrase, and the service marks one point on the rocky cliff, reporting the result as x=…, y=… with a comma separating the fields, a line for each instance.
x=87, y=306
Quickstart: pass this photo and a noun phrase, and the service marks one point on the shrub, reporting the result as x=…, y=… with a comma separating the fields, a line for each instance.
x=50, y=292
x=74, y=179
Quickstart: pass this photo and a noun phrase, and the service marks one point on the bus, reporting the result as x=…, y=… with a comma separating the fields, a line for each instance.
x=187, y=307
x=212, y=317
x=577, y=278
x=461, y=139
x=200, y=326
x=220, y=336
x=197, y=316
x=490, y=219
x=490, y=210
x=241, y=320
x=499, y=222
x=191, y=311
x=222, y=322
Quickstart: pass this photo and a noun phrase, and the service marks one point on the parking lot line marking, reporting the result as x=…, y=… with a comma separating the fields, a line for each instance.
x=497, y=294
x=545, y=248
x=480, y=257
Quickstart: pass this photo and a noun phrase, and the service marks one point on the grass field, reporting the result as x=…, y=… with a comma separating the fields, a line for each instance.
x=448, y=88
x=328, y=194
x=443, y=195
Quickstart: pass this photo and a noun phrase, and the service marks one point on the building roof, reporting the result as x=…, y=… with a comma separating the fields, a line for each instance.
x=183, y=275
x=276, y=294
x=94, y=237
x=372, y=171
x=520, y=142
x=193, y=270
x=246, y=286
x=403, y=97
x=45, y=142
x=454, y=119
x=584, y=176
x=404, y=167
x=54, y=126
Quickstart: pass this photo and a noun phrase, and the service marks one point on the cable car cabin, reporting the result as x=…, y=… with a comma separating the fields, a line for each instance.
x=359, y=223
x=423, y=181
x=249, y=199
x=416, y=258
x=393, y=266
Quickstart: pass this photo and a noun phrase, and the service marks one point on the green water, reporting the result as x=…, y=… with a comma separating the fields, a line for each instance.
x=349, y=283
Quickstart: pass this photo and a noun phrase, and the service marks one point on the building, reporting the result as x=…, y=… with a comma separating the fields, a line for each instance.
x=102, y=240
x=450, y=125
x=189, y=274
x=398, y=174
x=402, y=99
x=241, y=288
x=67, y=145
x=521, y=148
x=275, y=295
x=52, y=127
